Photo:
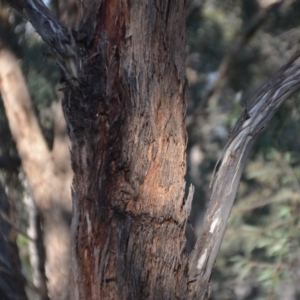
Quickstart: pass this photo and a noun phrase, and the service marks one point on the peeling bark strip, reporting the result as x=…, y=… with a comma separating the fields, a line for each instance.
x=252, y=121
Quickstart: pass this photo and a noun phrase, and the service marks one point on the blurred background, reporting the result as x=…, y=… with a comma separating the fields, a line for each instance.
x=233, y=47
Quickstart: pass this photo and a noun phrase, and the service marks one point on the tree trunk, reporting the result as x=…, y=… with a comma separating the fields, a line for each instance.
x=125, y=99
x=44, y=178
x=128, y=155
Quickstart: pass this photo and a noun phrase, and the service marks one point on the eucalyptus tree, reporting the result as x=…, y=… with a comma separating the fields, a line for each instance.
x=125, y=95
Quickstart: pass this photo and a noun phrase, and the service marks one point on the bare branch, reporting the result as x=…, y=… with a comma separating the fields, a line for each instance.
x=280, y=196
x=6, y=219
x=57, y=36
x=252, y=121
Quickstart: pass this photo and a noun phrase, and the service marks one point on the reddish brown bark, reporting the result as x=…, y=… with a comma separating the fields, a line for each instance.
x=128, y=144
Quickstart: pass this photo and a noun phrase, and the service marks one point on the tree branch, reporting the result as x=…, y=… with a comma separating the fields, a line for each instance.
x=58, y=37
x=252, y=121
x=6, y=219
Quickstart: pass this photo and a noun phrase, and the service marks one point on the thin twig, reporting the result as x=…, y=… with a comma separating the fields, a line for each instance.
x=242, y=39
x=261, y=203
x=14, y=226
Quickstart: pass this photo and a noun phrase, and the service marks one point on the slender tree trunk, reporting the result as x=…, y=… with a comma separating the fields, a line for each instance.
x=52, y=202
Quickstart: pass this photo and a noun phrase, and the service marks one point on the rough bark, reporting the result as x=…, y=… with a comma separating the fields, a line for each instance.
x=40, y=170
x=128, y=143
x=125, y=93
